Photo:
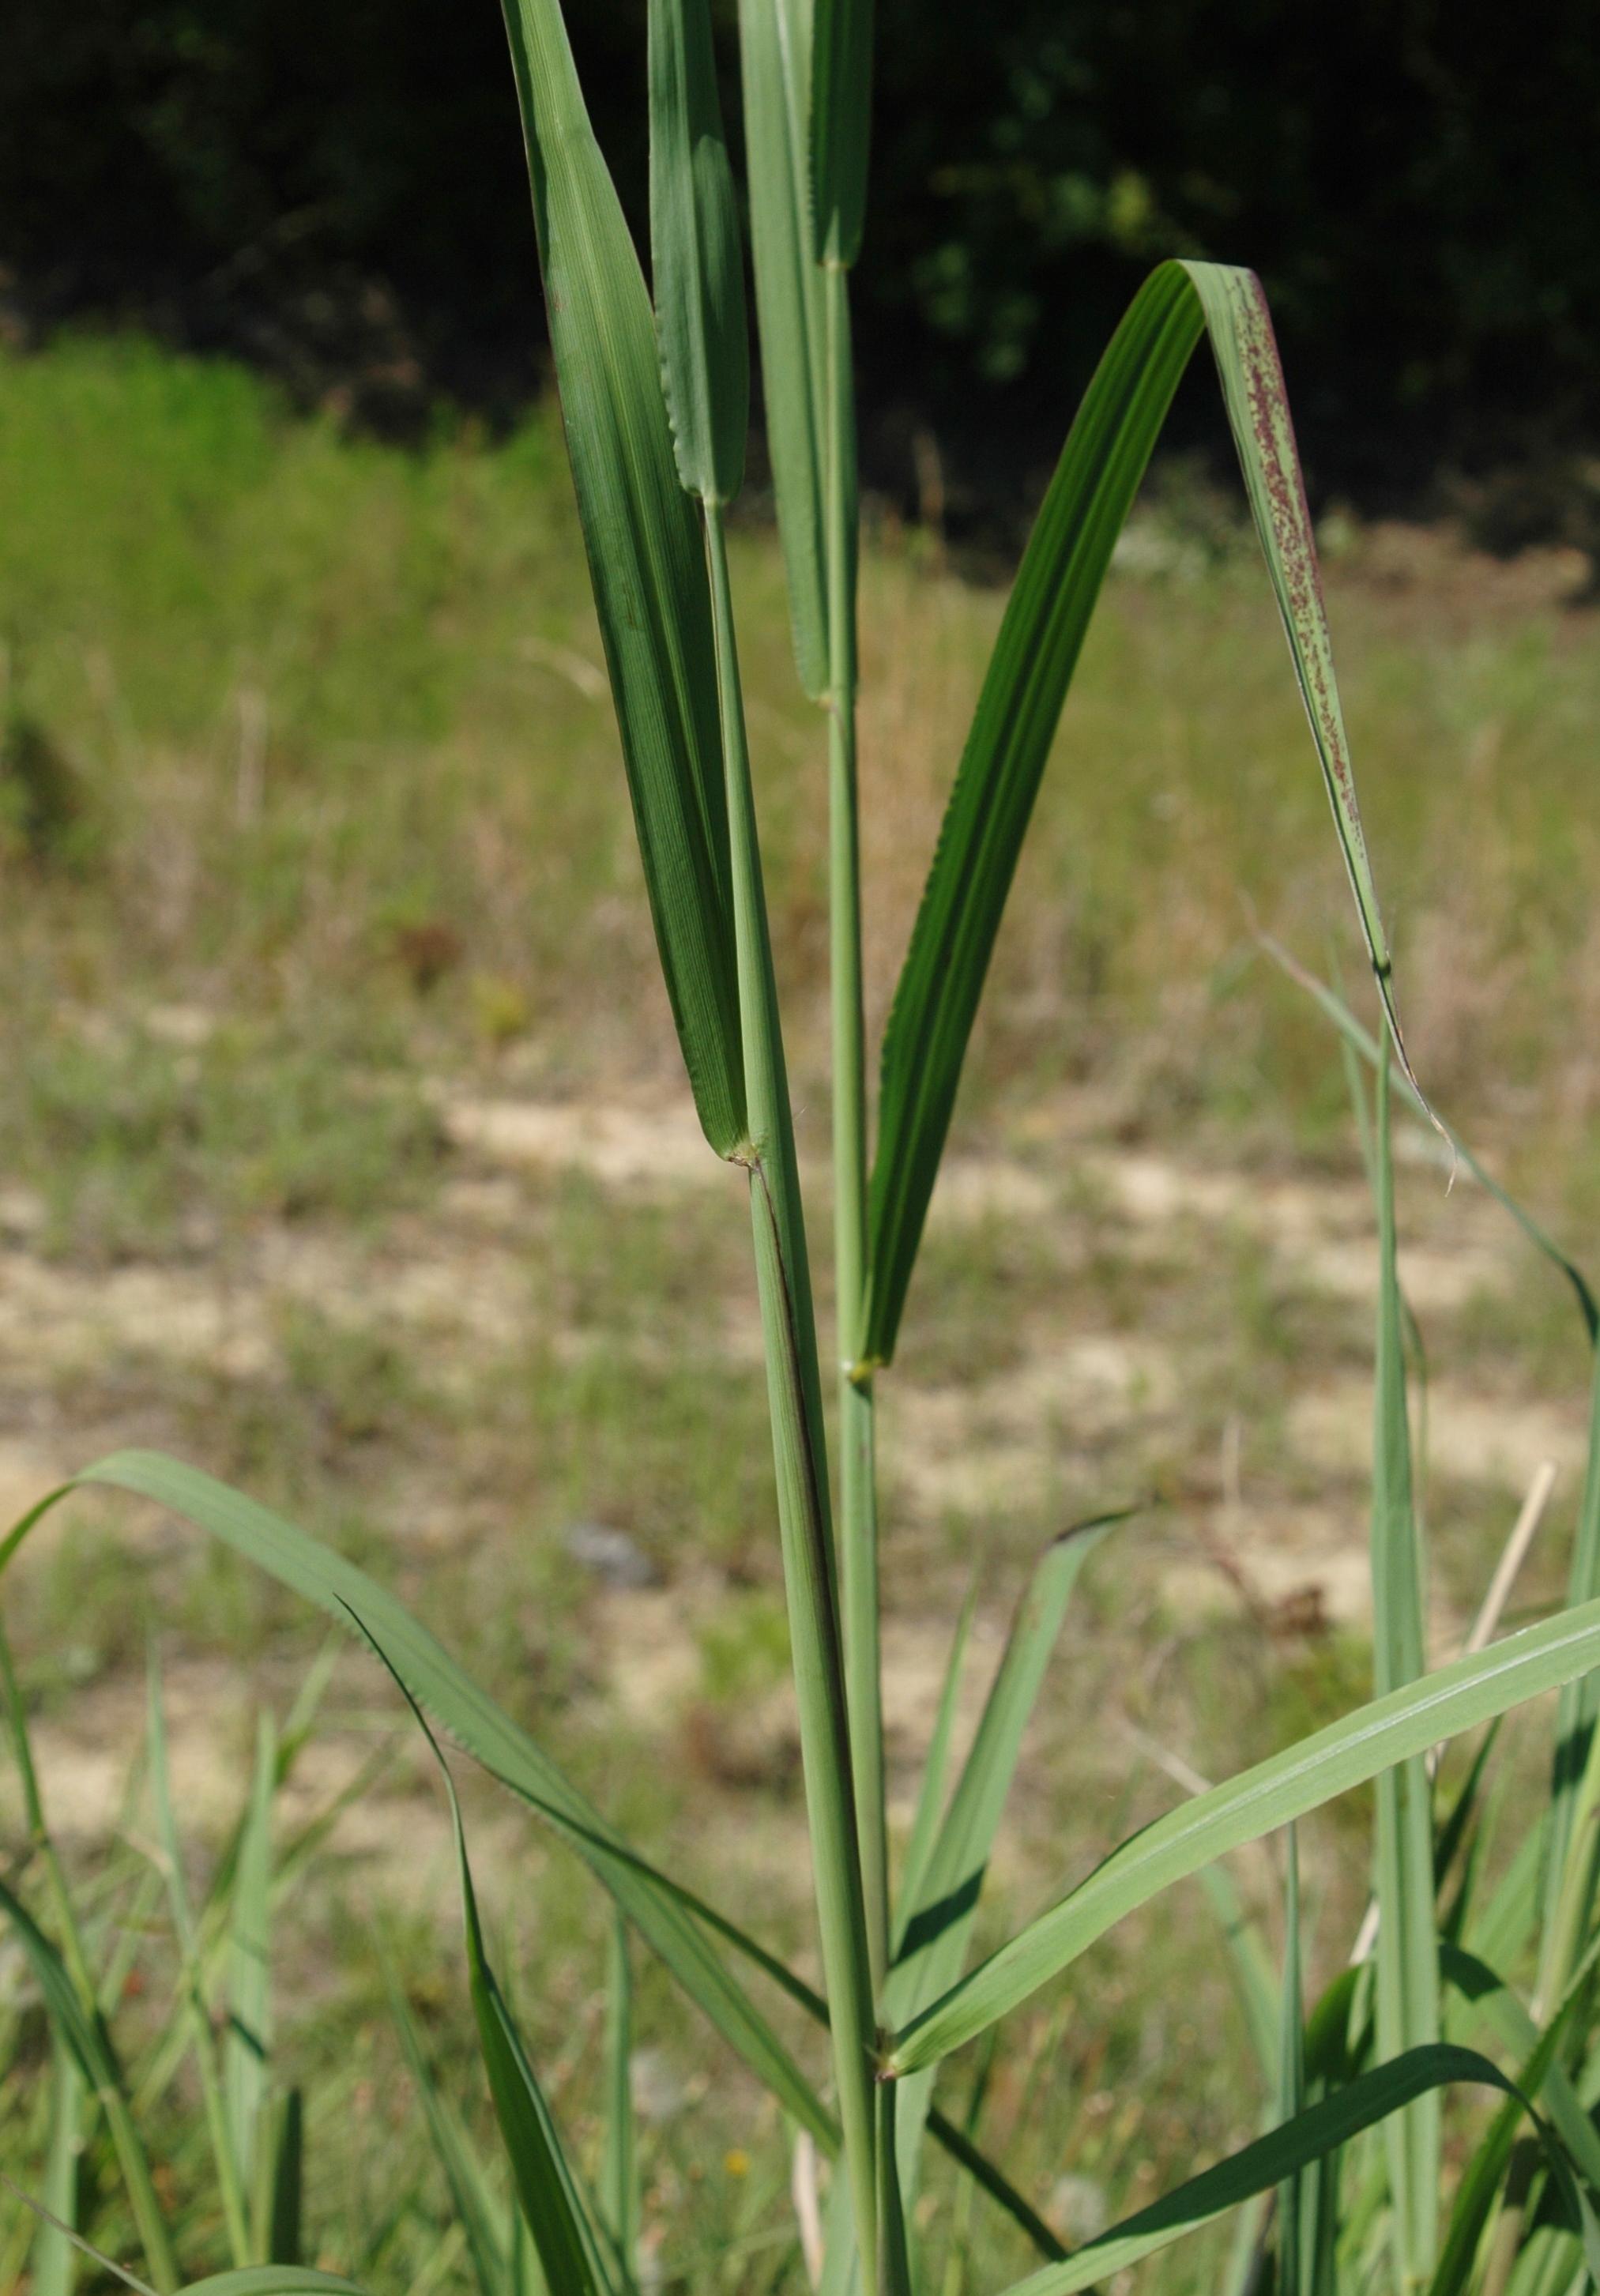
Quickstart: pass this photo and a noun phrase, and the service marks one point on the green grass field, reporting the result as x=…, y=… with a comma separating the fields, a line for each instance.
x=345, y=1151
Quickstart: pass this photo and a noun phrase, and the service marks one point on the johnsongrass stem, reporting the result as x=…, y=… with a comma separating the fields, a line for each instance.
x=799, y=1457
x=858, y=1503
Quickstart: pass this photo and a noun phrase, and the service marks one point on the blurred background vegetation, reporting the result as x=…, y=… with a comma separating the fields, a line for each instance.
x=338, y=194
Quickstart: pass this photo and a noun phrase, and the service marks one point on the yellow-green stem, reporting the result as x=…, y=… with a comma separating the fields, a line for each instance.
x=858, y=1505
x=799, y=1458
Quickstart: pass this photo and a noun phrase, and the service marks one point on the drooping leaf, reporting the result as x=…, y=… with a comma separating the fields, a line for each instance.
x=1288, y=1784
x=645, y=558
x=1020, y=707
x=1330, y=2122
x=697, y=255
x=552, y=2206
x=657, y=1908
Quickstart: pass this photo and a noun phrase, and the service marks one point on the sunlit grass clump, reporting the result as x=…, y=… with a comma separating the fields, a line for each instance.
x=1375, y=2163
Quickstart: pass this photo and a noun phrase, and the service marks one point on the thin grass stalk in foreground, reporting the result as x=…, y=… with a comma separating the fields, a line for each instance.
x=859, y=1499
x=800, y=1464
x=696, y=243
x=1408, y=1966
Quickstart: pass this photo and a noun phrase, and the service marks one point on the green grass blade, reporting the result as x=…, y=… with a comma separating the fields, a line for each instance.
x=841, y=73
x=775, y=58
x=1292, y=2077
x=485, y=2241
x=619, y=2174
x=552, y=2205
x=799, y=1461
x=82, y=2031
x=1248, y=1966
x=1287, y=1785
x=984, y=2174
x=657, y=1907
x=249, y=1980
x=225, y=2161
x=1540, y=2071
x=930, y=1793
x=53, y=2263
x=644, y=554
x=697, y=256
x=1492, y=2000
x=286, y=2188
x=1407, y=1961
x=1578, y=1710
x=1323, y=2127
x=1020, y=707
x=938, y=1925
x=273, y=2279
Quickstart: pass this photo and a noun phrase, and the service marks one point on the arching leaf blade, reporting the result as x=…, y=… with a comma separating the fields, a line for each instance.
x=1019, y=706
x=1287, y=1785
x=1282, y=2154
x=657, y=1908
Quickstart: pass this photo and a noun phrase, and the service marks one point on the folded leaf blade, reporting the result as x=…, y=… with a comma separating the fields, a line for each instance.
x=645, y=560
x=697, y=255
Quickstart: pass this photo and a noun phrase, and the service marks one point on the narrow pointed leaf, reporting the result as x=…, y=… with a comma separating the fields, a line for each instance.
x=1287, y=1785
x=1292, y=2077
x=250, y=1989
x=841, y=122
x=645, y=558
x=933, y=1944
x=553, y=2212
x=775, y=58
x=1331, y=2122
x=53, y=2258
x=655, y=1906
x=697, y=256
x=618, y=2183
x=930, y=1794
x=1020, y=707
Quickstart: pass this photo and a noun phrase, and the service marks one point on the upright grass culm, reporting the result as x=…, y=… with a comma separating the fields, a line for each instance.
x=1344, y=2187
